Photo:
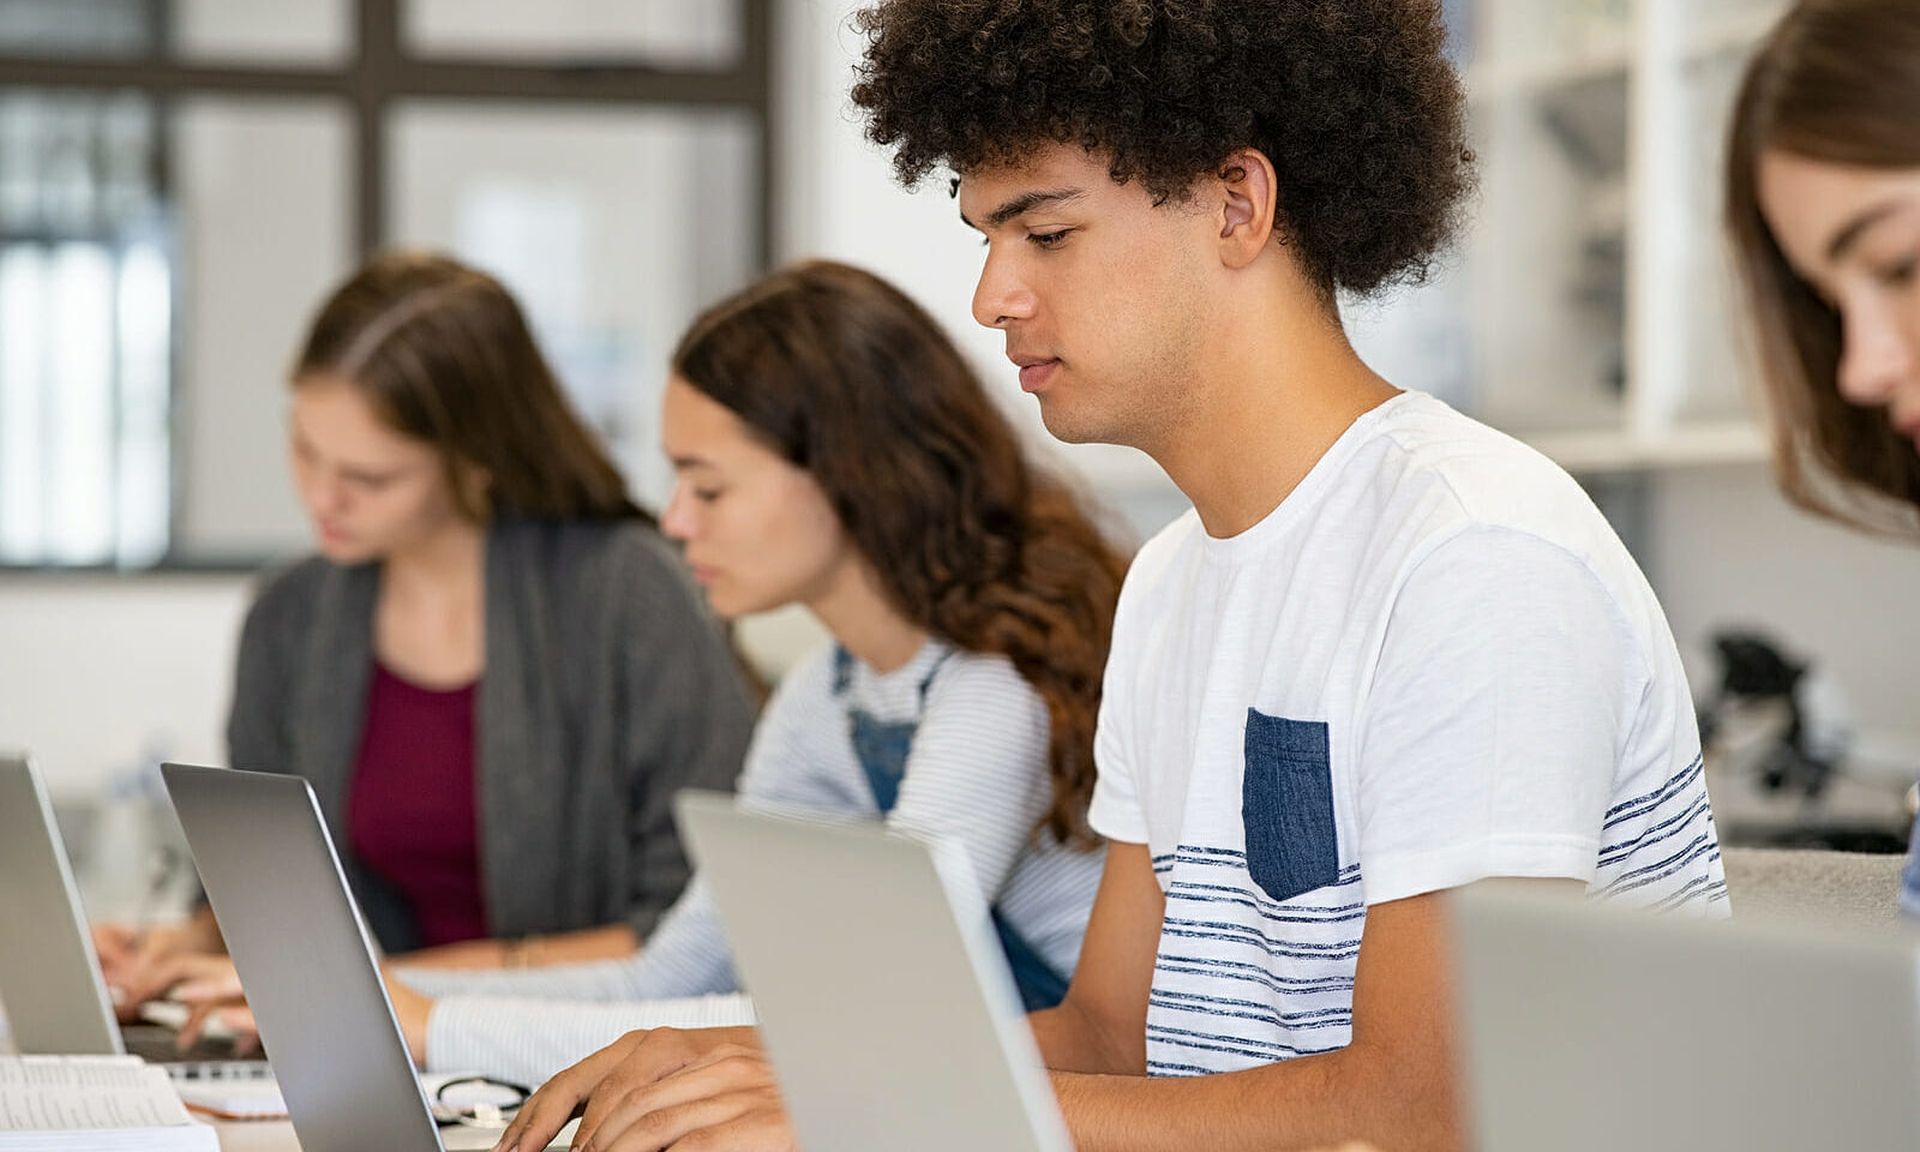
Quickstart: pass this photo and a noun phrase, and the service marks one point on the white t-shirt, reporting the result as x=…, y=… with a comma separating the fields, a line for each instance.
x=1433, y=663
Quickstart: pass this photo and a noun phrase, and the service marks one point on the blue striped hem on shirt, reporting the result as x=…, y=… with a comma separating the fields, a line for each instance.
x=1308, y=915
x=1167, y=1068
x=1262, y=1050
x=1703, y=889
x=1236, y=934
x=1242, y=972
x=1704, y=844
x=1262, y=900
x=1248, y=1010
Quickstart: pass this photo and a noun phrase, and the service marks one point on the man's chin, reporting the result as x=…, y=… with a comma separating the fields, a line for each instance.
x=1072, y=426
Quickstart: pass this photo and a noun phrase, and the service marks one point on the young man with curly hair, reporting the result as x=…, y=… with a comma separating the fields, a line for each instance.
x=1390, y=652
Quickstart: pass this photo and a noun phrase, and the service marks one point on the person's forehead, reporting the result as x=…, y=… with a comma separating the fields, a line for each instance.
x=1047, y=165
x=1810, y=202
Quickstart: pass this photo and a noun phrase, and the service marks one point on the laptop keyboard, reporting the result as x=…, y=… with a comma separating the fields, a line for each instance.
x=156, y=1045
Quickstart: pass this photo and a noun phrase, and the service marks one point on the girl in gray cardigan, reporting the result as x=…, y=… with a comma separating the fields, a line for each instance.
x=834, y=450
x=496, y=672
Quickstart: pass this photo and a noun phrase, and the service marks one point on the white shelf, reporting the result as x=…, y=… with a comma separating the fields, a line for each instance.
x=1489, y=82
x=1730, y=35
x=1687, y=446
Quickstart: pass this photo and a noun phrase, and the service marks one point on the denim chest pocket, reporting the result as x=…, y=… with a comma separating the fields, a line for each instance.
x=1286, y=806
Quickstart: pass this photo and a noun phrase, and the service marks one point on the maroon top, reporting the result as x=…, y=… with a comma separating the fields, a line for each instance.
x=411, y=812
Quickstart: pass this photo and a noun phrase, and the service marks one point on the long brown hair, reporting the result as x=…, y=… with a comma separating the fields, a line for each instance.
x=1837, y=81
x=445, y=355
x=847, y=378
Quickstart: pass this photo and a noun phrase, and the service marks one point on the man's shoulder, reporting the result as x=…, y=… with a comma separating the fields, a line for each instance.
x=1438, y=473
x=1489, y=474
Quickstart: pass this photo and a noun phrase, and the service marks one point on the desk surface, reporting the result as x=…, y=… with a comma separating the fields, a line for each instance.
x=257, y=1136
x=277, y=1136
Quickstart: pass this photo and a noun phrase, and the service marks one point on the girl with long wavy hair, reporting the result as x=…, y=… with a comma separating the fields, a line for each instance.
x=834, y=450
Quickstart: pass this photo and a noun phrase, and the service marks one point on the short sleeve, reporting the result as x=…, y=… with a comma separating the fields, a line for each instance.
x=1115, y=811
x=1497, y=716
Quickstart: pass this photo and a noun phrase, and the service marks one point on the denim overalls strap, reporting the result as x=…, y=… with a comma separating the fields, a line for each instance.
x=882, y=748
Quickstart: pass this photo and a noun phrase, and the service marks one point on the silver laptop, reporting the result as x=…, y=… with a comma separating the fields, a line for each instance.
x=307, y=962
x=1593, y=1029
x=883, y=998
x=50, y=982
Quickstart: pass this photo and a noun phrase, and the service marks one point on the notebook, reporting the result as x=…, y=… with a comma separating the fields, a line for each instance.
x=94, y=1104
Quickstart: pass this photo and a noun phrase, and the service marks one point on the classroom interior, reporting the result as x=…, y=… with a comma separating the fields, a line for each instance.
x=182, y=180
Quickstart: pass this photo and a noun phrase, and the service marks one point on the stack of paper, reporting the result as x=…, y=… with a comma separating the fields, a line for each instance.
x=94, y=1104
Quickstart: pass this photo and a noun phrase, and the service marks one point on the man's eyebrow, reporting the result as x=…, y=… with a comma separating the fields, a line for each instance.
x=1024, y=203
x=1850, y=235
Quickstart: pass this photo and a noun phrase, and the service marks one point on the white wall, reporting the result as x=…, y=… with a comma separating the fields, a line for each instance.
x=101, y=673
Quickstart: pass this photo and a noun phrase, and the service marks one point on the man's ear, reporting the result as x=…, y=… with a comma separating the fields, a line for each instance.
x=1248, y=192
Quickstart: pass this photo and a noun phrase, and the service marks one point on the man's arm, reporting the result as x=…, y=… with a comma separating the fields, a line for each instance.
x=1101, y=1025
x=1393, y=1086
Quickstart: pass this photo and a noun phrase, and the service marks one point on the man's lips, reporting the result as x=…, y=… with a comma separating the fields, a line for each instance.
x=1035, y=371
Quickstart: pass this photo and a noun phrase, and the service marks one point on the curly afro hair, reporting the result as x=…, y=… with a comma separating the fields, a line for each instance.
x=1353, y=101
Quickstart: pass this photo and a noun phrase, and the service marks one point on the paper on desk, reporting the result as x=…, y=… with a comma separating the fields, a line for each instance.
x=55, y=1093
x=235, y=1099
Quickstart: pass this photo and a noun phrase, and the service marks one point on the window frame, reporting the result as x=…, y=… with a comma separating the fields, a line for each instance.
x=379, y=74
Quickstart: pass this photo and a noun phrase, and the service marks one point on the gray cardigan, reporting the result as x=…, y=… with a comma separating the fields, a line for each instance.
x=607, y=689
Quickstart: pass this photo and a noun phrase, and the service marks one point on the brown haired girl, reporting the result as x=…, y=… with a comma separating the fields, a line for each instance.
x=495, y=673
x=1823, y=207
x=834, y=450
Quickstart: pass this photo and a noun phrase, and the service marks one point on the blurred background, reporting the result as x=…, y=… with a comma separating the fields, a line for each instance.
x=181, y=180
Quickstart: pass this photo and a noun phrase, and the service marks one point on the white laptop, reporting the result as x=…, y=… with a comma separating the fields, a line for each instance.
x=1596, y=1029
x=882, y=995
x=307, y=962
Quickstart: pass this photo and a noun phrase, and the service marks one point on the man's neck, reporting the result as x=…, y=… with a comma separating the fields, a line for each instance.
x=1279, y=387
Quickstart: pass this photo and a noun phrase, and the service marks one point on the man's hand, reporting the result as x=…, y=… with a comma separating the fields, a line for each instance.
x=129, y=957
x=233, y=1015
x=632, y=1063
x=208, y=985
x=189, y=977
x=729, y=1097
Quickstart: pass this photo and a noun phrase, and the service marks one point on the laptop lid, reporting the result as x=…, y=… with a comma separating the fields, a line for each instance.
x=1592, y=1029
x=305, y=958
x=50, y=983
x=887, y=1007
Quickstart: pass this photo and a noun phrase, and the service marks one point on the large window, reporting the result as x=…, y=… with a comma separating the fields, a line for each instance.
x=181, y=180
